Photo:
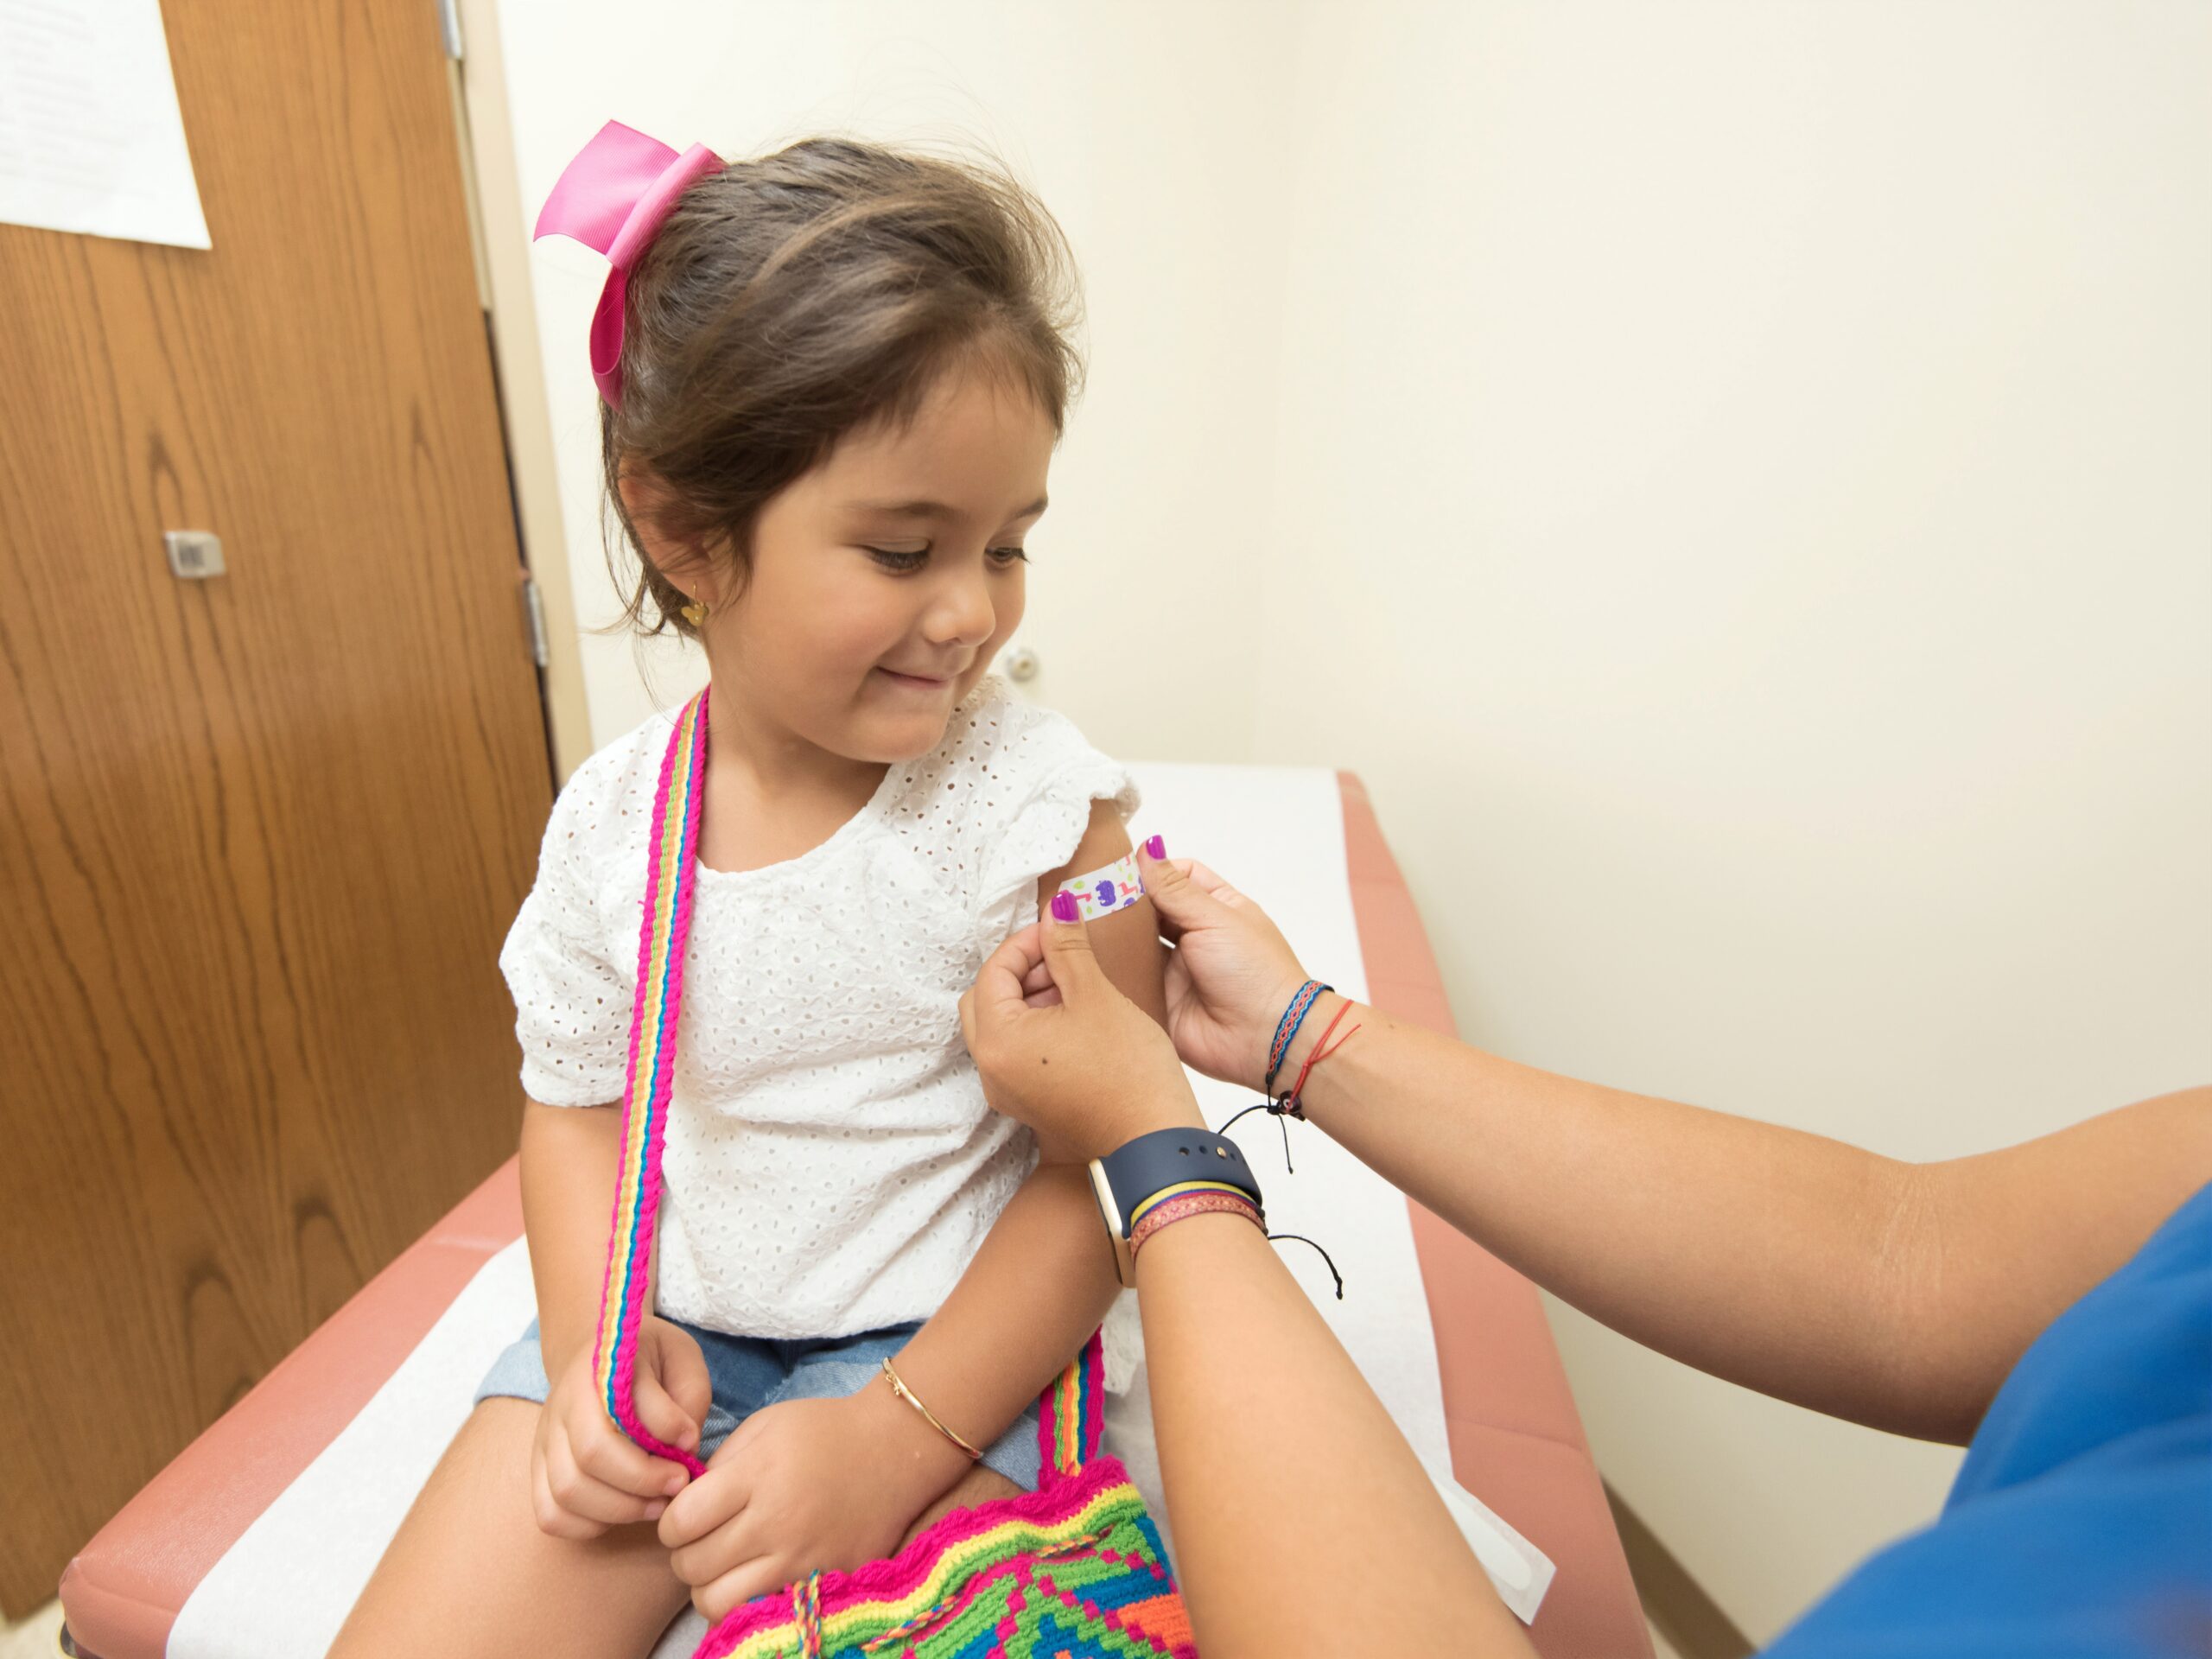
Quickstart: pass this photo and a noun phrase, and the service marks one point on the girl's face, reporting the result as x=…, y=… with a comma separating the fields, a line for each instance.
x=885, y=580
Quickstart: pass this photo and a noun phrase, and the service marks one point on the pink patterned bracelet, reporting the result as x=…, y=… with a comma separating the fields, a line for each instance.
x=1183, y=1205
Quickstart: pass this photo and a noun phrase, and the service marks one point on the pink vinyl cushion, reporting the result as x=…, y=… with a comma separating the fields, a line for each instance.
x=123, y=1591
x=1515, y=1437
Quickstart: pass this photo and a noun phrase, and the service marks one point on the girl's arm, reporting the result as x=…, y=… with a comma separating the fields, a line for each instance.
x=1044, y=1276
x=568, y=1159
x=585, y=1474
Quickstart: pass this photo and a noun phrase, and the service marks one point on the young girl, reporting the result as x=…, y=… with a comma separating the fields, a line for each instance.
x=833, y=379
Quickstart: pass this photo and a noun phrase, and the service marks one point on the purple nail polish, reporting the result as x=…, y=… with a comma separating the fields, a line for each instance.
x=1157, y=846
x=1063, y=908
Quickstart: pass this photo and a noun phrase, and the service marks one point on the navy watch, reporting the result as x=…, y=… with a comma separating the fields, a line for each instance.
x=1151, y=1163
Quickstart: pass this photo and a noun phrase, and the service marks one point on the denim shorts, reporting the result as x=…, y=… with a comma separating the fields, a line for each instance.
x=749, y=1372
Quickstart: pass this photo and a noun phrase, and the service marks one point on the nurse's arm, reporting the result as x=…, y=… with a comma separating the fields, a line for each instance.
x=2014, y=1237
x=1304, y=1524
x=1891, y=1293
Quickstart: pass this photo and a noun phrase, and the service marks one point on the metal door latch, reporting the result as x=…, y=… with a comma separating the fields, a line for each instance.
x=193, y=553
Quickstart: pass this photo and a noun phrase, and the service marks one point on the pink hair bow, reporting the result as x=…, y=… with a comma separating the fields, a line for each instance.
x=613, y=197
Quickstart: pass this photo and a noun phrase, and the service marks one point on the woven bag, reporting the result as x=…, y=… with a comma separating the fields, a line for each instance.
x=1075, y=1568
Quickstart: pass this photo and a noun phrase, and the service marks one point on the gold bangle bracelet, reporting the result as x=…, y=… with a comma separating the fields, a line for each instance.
x=899, y=1387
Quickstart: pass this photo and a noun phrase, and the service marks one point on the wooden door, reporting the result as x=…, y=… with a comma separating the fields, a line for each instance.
x=260, y=836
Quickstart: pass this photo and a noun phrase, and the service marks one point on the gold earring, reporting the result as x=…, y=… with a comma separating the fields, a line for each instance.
x=694, y=614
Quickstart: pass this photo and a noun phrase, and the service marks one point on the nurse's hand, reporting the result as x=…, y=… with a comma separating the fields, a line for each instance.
x=1232, y=974
x=1062, y=1050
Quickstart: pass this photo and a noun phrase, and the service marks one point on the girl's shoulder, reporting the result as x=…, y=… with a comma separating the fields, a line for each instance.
x=605, y=808
x=1004, y=797
x=1004, y=770
x=998, y=751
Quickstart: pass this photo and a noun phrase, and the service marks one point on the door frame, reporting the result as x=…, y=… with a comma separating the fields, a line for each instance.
x=494, y=192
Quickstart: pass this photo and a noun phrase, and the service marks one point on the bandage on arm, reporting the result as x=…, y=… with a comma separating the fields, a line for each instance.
x=1116, y=887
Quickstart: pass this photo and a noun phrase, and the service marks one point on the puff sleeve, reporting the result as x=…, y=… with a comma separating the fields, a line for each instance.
x=1051, y=774
x=572, y=994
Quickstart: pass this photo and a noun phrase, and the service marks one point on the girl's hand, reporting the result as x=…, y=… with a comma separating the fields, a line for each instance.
x=805, y=1484
x=1232, y=973
x=1079, y=1062
x=585, y=1474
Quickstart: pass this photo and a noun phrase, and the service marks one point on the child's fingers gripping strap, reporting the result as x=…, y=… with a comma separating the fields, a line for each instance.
x=1102, y=892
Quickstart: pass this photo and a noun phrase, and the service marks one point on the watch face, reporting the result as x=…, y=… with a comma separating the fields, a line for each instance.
x=1110, y=1212
x=1102, y=1190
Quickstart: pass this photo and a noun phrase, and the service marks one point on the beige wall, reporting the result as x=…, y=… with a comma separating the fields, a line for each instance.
x=1735, y=479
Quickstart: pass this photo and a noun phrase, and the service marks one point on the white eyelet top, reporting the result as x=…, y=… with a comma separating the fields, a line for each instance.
x=829, y=1164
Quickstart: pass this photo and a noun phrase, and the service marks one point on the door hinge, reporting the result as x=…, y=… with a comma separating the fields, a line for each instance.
x=450, y=26
x=533, y=617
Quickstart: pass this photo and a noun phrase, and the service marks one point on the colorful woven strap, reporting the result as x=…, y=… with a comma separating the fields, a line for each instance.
x=1072, y=1414
x=661, y=938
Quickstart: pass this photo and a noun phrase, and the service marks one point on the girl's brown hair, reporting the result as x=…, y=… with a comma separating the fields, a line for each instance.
x=790, y=299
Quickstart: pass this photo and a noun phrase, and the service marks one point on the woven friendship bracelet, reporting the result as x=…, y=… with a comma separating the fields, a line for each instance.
x=899, y=1387
x=1149, y=1203
x=1286, y=1027
x=1183, y=1205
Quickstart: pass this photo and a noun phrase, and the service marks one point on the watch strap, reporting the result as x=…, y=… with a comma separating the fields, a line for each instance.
x=1153, y=1164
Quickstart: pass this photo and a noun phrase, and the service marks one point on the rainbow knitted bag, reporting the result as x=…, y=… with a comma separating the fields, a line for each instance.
x=1075, y=1568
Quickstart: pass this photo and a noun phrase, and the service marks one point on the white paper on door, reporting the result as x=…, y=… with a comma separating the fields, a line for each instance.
x=90, y=138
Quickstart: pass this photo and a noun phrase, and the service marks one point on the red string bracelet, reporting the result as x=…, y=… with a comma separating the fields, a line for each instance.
x=1291, y=1102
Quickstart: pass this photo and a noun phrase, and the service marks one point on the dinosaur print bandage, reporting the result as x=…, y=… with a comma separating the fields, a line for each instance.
x=1103, y=891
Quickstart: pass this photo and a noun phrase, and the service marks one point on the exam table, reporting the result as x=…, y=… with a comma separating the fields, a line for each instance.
x=255, y=1539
